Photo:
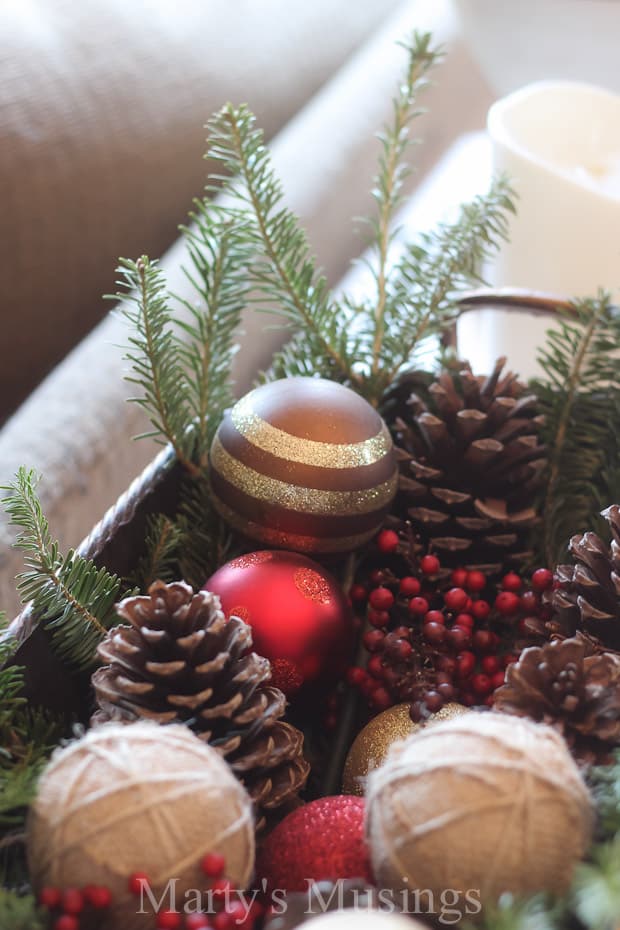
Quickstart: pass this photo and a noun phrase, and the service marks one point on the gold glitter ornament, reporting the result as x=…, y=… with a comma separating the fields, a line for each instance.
x=138, y=798
x=373, y=743
x=304, y=464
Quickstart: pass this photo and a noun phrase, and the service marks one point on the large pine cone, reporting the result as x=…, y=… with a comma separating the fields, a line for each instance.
x=565, y=685
x=471, y=463
x=182, y=661
x=588, y=596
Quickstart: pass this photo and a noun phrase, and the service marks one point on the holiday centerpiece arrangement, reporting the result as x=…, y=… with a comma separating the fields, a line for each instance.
x=337, y=656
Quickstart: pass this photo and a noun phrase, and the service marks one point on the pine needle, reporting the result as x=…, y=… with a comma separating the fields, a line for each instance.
x=20, y=912
x=74, y=597
x=163, y=543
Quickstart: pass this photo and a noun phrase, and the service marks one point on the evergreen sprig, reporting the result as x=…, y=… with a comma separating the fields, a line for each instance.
x=69, y=593
x=155, y=356
x=163, y=540
x=220, y=249
x=20, y=912
x=580, y=398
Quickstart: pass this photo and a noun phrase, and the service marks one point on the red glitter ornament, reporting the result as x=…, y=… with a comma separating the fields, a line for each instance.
x=298, y=613
x=323, y=841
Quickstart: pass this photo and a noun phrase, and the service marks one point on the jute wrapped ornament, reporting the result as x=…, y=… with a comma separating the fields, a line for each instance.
x=484, y=802
x=138, y=798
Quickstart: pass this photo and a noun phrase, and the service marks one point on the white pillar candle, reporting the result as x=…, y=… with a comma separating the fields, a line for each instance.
x=559, y=142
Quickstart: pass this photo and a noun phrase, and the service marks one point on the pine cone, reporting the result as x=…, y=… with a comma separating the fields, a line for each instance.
x=182, y=661
x=564, y=684
x=471, y=463
x=588, y=596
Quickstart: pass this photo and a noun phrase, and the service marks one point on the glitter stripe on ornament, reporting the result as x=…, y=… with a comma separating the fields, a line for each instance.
x=307, y=451
x=319, y=477
x=285, y=539
x=296, y=497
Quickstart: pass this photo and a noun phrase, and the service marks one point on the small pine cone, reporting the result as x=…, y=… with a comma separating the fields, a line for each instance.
x=471, y=462
x=180, y=660
x=588, y=594
x=564, y=684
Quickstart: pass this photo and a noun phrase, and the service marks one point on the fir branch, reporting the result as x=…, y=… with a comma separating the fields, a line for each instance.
x=163, y=543
x=155, y=357
x=596, y=887
x=431, y=271
x=206, y=540
x=69, y=593
x=284, y=274
x=604, y=782
x=579, y=395
x=387, y=190
x=220, y=247
x=536, y=913
x=20, y=912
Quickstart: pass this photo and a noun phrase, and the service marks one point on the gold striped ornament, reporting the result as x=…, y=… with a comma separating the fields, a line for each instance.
x=304, y=464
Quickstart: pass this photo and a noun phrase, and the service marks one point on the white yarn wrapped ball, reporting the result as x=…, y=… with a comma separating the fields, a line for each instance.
x=484, y=802
x=138, y=798
x=354, y=919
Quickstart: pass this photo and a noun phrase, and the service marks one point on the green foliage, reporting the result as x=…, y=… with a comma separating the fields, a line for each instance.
x=580, y=398
x=70, y=594
x=596, y=887
x=206, y=541
x=534, y=914
x=220, y=249
x=20, y=912
x=604, y=781
x=163, y=539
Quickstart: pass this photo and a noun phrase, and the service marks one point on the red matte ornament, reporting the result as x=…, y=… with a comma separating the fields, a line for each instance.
x=299, y=616
x=322, y=841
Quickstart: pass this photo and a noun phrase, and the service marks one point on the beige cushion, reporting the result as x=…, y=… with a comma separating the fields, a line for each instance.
x=102, y=106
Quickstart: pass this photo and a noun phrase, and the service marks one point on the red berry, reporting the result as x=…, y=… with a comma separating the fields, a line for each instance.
x=355, y=676
x=72, y=901
x=459, y=577
x=50, y=898
x=168, y=920
x=137, y=882
x=465, y=620
x=378, y=618
x=481, y=684
x=222, y=921
x=542, y=579
x=418, y=605
x=409, y=586
x=507, y=603
x=498, y=680
x=401, y=632
x=530, y=602
x=403, y=649
x=221, y=888
x=447, y=691
x=377, y=576
x=358, y=593
x=98, y=896
x=387, y=541
x=483, y=641
x=237, y=913
x=455, y=599
x=375, y=667
x=433, y=701
x=430, y=564
x=460, y=637
x=490, y=665
x=213, y=864
x=466, y=663
x=475, y=581
x=447, y=665
x=196, y=922
x=481, y=609
x=66, y=922
x=373, y=640
x=512, y=582
x=434, y=616
x=468, y=699
x=381, y=598
x=381, y=699
x=434, y=633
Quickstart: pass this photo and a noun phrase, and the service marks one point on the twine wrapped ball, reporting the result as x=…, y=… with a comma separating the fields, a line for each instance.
x=354, y=919
x=484, y=802
x=304, y=464
x=138, y=798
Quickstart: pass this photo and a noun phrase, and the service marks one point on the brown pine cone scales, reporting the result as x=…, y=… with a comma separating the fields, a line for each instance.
x=180, y=660
x=471, y=463
x=565, y=685
x=588, y=596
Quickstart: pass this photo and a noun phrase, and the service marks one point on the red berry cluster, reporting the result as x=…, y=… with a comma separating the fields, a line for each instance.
x=232, y=913
x=429, y=643
x=70, y=907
